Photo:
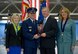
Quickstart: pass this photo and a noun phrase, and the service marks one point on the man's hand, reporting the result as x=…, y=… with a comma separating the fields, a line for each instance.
x=7, y=49
x=36, y=36
x=43, y=35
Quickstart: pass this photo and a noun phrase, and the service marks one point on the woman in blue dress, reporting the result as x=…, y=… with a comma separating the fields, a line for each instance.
x=13, y=37
x=67, y=32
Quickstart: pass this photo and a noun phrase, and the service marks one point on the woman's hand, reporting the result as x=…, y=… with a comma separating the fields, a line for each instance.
x=72, y=48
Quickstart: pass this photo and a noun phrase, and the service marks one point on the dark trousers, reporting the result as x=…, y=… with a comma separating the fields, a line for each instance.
x=29, y=50
x=47, y=50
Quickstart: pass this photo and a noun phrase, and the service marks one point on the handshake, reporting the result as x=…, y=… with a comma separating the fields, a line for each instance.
x=36, y=36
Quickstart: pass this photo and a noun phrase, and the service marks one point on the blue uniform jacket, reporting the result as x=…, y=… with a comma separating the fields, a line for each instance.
x=29, y=29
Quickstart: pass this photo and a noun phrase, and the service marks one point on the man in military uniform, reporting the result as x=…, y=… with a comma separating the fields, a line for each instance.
x=30, y=36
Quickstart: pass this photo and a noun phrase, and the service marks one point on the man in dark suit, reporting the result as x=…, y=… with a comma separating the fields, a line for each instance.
x=47, y=39
x=30, y=36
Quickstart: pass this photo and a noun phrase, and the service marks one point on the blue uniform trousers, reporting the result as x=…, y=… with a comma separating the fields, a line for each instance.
x=29, y=50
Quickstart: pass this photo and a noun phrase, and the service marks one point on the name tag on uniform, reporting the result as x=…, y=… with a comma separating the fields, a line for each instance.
x=30, y=30
x=30, y=27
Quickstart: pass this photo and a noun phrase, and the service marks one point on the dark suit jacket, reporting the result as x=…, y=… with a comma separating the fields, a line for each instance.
x=11, y=38
x=51, y=29
x=29, y=30
x=6, y=25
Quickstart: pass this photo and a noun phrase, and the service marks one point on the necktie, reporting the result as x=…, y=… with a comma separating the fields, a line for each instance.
x=33, y=22
x=44, y=22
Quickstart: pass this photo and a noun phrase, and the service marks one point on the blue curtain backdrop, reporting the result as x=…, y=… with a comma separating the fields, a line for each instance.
x=2, y=34
x=77, y=30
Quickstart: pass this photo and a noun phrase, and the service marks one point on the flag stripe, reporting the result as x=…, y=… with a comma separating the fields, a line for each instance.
x=25, y=5
x=22, y=9
x=35, y=7
x=35, y=3
x=30, y=1
x=38, y=8
x=47, y=3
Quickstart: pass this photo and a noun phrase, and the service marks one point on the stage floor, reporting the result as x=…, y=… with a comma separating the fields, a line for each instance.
x=75, y=51
x=3, y=50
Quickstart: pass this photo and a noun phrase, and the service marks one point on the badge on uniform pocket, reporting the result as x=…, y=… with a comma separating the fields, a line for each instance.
x=30, y=28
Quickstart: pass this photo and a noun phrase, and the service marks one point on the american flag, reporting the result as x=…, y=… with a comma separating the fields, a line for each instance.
x=30, y=3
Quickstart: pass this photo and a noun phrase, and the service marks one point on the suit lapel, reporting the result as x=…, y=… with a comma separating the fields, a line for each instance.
x=65, y=25
x=46, y=22
x=12, y=27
